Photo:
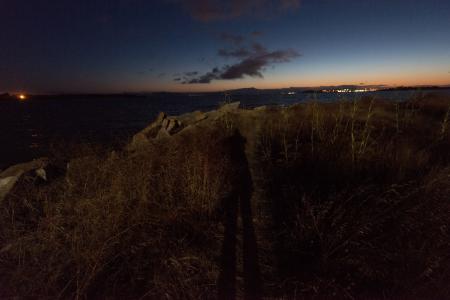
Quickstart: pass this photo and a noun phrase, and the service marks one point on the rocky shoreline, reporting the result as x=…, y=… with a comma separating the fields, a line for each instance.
x=247, y=121
x=41, y=170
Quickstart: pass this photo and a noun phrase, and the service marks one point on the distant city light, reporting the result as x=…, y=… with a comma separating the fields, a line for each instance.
x=365, y=90
x=22, y=97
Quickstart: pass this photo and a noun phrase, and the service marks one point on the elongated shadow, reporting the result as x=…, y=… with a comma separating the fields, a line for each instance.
x=227, y=278
x=239, y=198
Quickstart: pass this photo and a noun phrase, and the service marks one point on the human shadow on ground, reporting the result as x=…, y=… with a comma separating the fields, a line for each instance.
x=238, y=203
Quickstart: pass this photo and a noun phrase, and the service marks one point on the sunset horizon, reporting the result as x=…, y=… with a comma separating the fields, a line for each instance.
x=201, y=46
x=215, y=89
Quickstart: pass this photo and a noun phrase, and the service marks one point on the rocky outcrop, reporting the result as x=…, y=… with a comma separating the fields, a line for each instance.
x=162, y=127
x=31, y=171
x=165, y=126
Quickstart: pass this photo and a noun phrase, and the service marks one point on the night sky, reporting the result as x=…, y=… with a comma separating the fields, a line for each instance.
x=54, y=46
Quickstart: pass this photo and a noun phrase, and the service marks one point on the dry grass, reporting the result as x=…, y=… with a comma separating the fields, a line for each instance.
x=357, y=199
x=351, y=202
x=123, y=225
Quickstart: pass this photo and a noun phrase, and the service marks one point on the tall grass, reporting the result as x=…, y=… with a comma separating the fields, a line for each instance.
x=363, y=209
x=120, y=225
x=350, y=201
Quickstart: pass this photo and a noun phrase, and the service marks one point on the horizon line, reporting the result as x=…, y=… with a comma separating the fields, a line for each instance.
x=381, y=86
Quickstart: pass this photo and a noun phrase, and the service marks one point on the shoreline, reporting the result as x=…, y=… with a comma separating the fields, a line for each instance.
x=365, y=97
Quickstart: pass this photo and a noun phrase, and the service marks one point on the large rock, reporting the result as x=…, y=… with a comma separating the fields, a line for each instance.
x=153, y=128
x=170, y=126
x=165, y=126
x=142, y=138
x=36, y=170
x=192, y=117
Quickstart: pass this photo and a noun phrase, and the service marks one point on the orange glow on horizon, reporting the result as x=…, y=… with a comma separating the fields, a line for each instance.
x=388, y=80
x=22, y=97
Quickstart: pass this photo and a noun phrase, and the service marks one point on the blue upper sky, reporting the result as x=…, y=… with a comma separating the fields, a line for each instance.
x=51, y=46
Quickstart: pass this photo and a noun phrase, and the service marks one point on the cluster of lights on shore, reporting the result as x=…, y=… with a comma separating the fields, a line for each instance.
x=22, y=97
x=365, y=90
x=350, y=91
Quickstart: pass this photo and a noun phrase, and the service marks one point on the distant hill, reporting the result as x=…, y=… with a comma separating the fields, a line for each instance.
x=416, y=88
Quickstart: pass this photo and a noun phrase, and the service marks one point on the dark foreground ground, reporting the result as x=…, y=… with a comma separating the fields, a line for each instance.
x=348, y=200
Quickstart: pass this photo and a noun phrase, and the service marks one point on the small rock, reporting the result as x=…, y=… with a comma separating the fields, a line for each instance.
x=165, y=123
x=173, y=125
x=42, y=174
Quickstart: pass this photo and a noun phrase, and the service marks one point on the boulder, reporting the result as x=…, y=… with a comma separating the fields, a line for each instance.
x=152, y=129
x=165, y=123
x=142, y=138
x=173, y=125
x=36, y=170
x=192, y=118
x=165, y=126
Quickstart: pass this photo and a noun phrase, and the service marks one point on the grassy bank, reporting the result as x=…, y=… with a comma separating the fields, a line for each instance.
x=344, y=200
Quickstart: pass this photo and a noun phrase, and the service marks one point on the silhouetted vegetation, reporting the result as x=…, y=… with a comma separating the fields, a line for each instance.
x=344, y=200
x=357, y=200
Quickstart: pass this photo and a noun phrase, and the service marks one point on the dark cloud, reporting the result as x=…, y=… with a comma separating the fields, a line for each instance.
x=251, y=66
x=251, y=57
x=238, y=53
x=186, y=76
x=258, y=48
x=206, y=78
x=212, y=10
x=189, y=74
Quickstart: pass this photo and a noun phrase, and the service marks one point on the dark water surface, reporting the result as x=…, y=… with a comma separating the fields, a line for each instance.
x=28, y=128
